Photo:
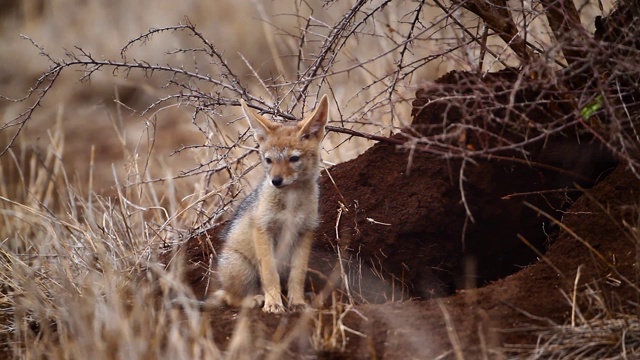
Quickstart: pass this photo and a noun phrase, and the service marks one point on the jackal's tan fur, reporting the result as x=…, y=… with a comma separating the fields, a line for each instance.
x=270, y=235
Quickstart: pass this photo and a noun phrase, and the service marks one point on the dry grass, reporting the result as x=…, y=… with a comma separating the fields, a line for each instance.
x=79, y=278
x=601, y=332
x=330, y=332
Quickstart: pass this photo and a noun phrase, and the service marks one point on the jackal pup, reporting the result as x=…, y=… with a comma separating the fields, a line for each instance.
x=270, y=235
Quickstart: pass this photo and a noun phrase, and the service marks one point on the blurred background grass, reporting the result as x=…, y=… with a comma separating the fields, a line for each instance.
x=95, y=116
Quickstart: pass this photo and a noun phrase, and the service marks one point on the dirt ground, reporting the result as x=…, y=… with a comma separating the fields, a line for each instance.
x=426, y=281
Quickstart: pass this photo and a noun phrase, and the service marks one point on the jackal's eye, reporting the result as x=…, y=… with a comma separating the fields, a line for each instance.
x=267, y=160
x=294, y=158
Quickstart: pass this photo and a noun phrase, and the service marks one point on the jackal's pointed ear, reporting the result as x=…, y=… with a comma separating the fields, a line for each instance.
x=313, y=125
x=261, y=125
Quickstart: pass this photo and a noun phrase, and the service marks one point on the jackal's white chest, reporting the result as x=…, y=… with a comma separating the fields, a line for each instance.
x=296, y=212
x=286, y=213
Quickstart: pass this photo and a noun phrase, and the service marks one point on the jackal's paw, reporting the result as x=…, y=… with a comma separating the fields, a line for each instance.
x=252, y=302
x=273, y=308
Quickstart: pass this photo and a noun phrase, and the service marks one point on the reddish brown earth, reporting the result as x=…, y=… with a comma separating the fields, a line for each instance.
x=411, y=255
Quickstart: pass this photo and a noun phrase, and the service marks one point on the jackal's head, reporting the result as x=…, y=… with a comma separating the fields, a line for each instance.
x=290, y=153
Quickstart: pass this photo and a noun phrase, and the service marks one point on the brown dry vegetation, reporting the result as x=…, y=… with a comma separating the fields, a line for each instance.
x=464, y=232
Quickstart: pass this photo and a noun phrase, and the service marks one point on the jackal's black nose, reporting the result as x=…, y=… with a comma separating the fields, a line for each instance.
x=276, y=181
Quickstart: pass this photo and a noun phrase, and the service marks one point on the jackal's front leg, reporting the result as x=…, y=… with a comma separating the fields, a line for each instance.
x=268, y=271
x=299, y=263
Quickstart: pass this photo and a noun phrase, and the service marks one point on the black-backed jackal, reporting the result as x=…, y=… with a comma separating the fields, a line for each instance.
x=270, y=235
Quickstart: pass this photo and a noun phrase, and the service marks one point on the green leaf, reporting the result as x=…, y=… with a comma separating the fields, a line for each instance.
x=588, y=111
